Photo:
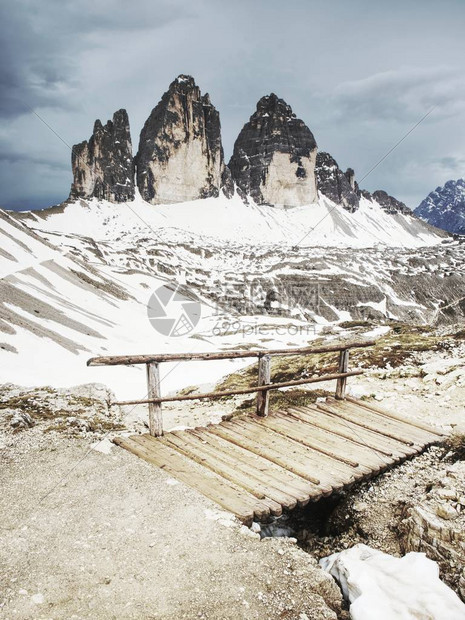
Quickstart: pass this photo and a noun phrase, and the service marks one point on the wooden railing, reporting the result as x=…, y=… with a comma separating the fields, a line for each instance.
x=263, y=388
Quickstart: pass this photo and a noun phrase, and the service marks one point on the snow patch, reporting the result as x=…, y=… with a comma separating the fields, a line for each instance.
x=381, y=586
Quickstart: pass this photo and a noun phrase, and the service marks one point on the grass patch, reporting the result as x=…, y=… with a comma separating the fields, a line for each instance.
x=351, y=324
x=187, y=391
x=36, y=408
x=399, y=346
x=47, y=404
x=91, y=425
x=284, y=400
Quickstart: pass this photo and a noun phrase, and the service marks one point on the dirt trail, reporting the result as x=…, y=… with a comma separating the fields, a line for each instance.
x=120, y=539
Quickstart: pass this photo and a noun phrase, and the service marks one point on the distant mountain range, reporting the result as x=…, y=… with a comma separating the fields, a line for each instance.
x=445, y=207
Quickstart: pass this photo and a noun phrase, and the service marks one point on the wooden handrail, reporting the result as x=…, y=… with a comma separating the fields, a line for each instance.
x=259, y=388
x=262, y=390
x=129, y=360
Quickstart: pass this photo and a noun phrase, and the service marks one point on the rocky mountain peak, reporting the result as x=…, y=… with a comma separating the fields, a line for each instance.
x=274, y=156
x=389, y=203
x=184, y=85
x=445, y=207
x=338, y=186
x=103, y=165
x=272, y=105
x=180, y=153
x=350, y=176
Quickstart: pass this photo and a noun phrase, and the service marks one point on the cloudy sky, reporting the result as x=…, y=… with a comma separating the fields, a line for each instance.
x=359, y=73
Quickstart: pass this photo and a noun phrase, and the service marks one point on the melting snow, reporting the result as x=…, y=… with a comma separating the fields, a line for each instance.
x=381, y=586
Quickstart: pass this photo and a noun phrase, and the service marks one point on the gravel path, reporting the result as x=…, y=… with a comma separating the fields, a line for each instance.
x=120, y=539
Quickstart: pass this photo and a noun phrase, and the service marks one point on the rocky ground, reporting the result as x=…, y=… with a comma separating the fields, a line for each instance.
x=87, y=534
x=89, y=531
x=418, y=506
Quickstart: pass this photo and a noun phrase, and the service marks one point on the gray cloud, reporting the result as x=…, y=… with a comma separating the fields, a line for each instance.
x=402, y=94
x=452, y=165
x=40, y=45
x=359, y=74
x=11, y=157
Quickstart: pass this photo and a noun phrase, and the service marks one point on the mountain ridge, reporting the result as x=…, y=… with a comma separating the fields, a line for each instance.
x=444, y=207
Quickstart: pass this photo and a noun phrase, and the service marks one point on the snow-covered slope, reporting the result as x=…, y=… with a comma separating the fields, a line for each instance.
x=231, y=221
x=76, y=281
x=445, y=207
x=56, y=311
x=58, y=308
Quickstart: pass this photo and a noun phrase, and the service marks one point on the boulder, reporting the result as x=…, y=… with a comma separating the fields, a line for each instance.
x=436, y=526
x=21, y=419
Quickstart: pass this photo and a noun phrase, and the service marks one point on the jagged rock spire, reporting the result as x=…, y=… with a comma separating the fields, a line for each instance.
x=274, y=156
x=338, y=186
x=180, y=153
x=103, y=166
x=388, y=203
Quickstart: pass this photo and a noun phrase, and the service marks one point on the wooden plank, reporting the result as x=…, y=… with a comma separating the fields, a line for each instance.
x=324, y=466
x=153, y=391
x=403, y=431
x=382, y=411
x=259, y=483
x=272, y=455
x=301, y=432
x=348, y=430
x=293, y=494
x=264, y=378
x=298, y=487
x=396, y=448
x=239, y=503
x=193, y=450
x=370, y=423
x=272, y=386
x=356, y=455
x=343, y=367
x=329, y=472
x=118, y=360
x=260, y=509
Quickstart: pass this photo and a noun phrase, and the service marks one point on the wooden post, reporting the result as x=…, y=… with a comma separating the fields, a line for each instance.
x=264, y=377
x=153, y=388
x=343, y=366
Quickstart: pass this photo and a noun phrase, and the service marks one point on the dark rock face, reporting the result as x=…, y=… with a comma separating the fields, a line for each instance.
x=274, y=156
x=445, y=207
x=388, y=203
x=180, y=153
x=103, y=166
x=338, y=186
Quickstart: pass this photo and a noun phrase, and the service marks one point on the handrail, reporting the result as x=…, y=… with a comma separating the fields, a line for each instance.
x=258, y=388
x=263, y=388
x=129, y=360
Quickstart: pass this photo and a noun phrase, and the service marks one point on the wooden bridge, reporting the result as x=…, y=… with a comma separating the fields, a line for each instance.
x=258, y=465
